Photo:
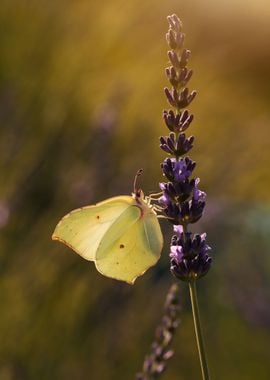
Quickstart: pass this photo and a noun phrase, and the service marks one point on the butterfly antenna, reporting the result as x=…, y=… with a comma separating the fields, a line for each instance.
x=135, y=183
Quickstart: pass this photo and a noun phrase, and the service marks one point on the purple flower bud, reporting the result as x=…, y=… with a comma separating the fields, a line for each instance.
x=169, y=97
x=184, y=144
x=183, y=73
x=172, y=75
x=170, y=37
x=183, y=77
x=173, y=213
x=169, y=193
x=189, y=256
x=191, y=96
x=177, y=24
x=181, y=170
x=196, y=210
x=176, y=213
x=178, y=170
x=184, y=99
x=179, y=122
x=185, y=212
x=175, y=95
x=184, y=57
x=175, y=37
x=180, y=37
x=183, y=189
x=186, y=123
x=178, y=230
x=165, y=146
x=171, y=141
x=173, y=57
x=198, y=195
x=181, y=100
x=176, y=252
x=179, y=147
x=168, y=168
x=170, y=120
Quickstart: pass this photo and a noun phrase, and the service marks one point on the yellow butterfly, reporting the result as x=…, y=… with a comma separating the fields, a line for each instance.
x=121, y=235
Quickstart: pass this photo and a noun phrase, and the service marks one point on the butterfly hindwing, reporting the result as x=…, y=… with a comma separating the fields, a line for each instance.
x=126, y=250
x=153, y=234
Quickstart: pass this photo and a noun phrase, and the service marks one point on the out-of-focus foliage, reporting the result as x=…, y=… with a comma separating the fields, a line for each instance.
x=80, y=111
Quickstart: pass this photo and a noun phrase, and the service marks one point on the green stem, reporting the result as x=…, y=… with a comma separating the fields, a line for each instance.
x=198, y=329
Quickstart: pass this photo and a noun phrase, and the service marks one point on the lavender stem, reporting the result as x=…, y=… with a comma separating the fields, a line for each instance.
x=198, y=329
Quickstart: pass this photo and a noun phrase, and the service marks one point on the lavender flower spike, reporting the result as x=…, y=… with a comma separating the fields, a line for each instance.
x=182, y=201
x=156, y=361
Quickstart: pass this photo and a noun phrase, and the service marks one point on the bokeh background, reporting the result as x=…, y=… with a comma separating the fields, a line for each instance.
x=81, y=98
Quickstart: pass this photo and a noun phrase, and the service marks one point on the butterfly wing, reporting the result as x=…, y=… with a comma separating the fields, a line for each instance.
x=84, y=228
x=130, y=246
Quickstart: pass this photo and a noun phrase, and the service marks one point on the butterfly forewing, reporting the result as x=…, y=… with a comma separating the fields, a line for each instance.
x=83, y=229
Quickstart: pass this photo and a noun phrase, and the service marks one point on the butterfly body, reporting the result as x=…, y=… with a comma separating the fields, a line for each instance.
x=121, y=235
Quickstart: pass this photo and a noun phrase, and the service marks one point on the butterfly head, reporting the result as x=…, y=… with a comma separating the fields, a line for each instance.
x=144, y=203
x=137, y=193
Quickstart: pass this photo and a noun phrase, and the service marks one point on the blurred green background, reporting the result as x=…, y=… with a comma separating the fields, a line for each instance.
x=81, y=98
